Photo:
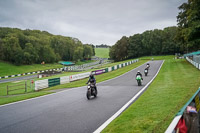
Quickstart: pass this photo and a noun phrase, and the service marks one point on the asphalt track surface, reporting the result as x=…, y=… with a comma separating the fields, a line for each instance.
x=69, y=111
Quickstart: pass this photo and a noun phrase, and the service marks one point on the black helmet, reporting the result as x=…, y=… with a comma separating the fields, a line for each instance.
x=91, y=76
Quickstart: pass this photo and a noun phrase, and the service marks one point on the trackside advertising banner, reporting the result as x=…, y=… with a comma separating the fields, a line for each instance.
x=97, y=72
x=79, y=76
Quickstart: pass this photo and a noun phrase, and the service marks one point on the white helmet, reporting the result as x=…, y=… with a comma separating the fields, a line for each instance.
x=138, y=71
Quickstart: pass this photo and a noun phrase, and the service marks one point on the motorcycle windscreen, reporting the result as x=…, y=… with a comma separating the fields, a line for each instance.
x=138, y=77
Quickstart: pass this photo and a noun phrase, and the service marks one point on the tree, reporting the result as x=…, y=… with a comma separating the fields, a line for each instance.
x=78, y=54
x=87, y=51
x=10, y=48
x=30, y=54
x=189, y=25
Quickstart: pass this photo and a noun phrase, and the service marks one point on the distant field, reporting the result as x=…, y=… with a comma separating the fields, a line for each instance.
x=102, y=52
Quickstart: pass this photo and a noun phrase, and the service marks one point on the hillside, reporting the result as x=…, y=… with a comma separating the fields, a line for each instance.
x=102, y=52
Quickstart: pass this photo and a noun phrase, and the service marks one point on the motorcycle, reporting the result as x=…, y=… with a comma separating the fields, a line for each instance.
x=91, y=91
x=145, y=72
x=139, y=80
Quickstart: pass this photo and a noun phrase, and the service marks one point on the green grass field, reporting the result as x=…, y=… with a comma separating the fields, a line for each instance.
x=102, y=52
x=154, y=110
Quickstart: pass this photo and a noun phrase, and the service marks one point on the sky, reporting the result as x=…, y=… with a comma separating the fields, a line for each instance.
x=91, y=21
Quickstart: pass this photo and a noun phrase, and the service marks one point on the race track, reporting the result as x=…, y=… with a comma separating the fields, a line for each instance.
x=69, y=111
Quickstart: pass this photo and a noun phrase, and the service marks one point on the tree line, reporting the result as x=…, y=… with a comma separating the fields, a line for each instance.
x=35, y=46
x=182, y=39
x=151, y=42
x=102, y=46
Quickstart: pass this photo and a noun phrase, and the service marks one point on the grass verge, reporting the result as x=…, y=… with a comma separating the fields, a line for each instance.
x=154, y=110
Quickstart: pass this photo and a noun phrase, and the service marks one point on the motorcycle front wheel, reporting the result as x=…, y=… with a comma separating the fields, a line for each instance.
x=88, y=95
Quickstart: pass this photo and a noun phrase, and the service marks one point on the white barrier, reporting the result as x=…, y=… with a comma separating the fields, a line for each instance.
x=197, y=65
x=41, y=84
x=64, y=79
x=79, y=76
x=115, y=67
x=110, y=69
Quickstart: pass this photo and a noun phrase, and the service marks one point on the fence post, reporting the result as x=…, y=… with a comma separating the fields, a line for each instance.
x=25, y=87
x=7, y=89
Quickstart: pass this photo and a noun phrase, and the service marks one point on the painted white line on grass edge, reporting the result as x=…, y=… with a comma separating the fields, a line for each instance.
x=105, y=124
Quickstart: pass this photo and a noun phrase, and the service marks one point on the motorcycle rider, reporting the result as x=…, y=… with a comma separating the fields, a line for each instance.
x=148, y=65
x=145, y=70
x=92, y=80
x=138, y=73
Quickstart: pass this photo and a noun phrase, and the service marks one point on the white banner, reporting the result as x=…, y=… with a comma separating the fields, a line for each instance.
x=64, y=79
x=79, y=76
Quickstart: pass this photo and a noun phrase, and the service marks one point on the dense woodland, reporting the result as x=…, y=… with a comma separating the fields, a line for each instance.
x=34, y=46
x=182, y=39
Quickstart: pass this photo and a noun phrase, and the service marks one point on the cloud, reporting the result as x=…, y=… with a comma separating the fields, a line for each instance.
x=91, y=21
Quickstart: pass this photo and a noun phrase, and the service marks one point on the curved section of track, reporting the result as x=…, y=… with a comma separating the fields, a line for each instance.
x=69, y=110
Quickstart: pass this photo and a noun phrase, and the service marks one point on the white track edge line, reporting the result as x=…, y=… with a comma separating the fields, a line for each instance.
x=105, y=124
x=61, y=91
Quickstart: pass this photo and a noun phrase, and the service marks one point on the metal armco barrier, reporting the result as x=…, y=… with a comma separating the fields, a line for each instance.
x=194, y=100
x=193, y=63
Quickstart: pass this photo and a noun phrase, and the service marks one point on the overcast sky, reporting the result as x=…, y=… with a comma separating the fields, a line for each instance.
x=91, y=21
